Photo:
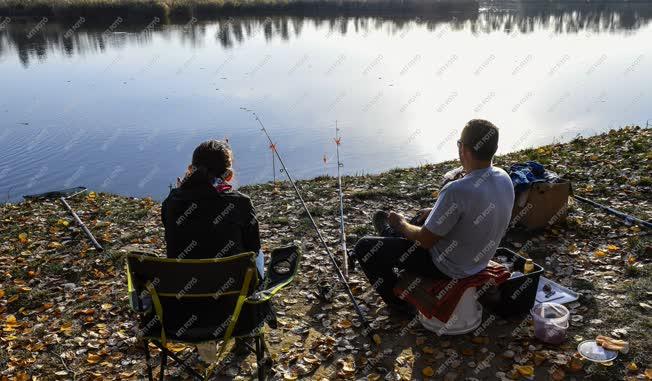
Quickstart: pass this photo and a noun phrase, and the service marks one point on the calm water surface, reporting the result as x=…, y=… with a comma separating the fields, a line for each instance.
x=121, y=109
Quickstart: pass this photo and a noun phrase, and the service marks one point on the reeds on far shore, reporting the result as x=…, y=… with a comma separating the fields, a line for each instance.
x=164, y=9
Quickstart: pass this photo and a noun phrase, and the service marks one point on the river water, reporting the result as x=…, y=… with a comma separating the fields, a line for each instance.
x=119, y=107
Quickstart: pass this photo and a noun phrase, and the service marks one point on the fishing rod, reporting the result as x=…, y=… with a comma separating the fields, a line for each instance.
x=83, y=227
x=368, y=328
x=272, y=147
x=64, y=195
x=338, y=140
x=626, y=217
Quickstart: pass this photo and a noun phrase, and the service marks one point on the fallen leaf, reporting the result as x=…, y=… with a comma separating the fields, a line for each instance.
x=11, y=320
x=348, y=367
x=428, y=350
x=289, y=376
x=648, y=373
x=54, y=245
x=557, y=374
x=576, y=363
x=345, y=324
x=525, y=370
x=66, y=328
x=539, y=358
x=311, y=359
x=175, y=347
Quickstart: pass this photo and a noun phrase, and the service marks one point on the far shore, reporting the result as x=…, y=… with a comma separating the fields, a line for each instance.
x=168, y=11
x=206, y=9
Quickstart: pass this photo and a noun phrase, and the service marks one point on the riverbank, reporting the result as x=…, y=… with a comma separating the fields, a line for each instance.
x=202, y=9
x=65, y=314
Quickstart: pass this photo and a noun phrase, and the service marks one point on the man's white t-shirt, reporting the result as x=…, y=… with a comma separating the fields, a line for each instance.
x=471, y=215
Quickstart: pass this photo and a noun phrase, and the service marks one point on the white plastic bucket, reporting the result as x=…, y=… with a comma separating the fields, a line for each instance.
x=550, y=322
x=466, y=317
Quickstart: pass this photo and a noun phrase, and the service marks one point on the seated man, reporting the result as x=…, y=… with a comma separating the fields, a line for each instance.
x=460, y=233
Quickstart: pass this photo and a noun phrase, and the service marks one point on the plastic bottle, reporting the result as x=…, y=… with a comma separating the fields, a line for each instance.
x=528, y=267
x=453, y=174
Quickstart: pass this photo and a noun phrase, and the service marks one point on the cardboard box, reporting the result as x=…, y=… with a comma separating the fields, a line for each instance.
x=543, y=204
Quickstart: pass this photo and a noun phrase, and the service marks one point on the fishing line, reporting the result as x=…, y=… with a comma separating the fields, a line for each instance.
x=347, y=287
x=338, y=140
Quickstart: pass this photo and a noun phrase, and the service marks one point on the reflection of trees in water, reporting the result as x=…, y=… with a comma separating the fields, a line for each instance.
x=31, y=43
x=563, y=17
x=566, y=23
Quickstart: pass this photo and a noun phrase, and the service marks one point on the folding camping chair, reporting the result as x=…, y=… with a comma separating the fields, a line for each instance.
x=201, y=300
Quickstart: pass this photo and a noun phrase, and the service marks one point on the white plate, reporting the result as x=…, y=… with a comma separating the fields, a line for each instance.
x=591, y=351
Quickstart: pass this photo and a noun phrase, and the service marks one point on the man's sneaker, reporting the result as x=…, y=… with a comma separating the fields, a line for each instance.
x=380, y=220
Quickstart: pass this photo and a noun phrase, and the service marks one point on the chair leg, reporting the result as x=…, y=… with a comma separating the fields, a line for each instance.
x=260, y=358
x=164, y=361
x=265, y=347
x=178, y=360
x=148, y=360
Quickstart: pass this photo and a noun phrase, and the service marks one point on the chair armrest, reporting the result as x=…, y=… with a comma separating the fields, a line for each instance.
x=282, y=268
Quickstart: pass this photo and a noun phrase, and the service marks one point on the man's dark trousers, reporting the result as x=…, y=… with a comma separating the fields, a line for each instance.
x=379, y=256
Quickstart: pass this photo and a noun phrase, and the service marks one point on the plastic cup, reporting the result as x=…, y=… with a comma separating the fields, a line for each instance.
x=550, y=322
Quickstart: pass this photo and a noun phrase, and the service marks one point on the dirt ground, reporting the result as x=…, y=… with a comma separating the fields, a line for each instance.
x=65, y=314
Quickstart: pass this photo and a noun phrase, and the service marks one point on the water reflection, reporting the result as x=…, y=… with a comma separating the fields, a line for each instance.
x=30, y=41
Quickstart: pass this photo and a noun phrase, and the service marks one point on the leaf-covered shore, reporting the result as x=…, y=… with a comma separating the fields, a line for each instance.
x=64, y=311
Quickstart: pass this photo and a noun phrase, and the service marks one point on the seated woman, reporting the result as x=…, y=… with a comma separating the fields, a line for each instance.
x=203, y=216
